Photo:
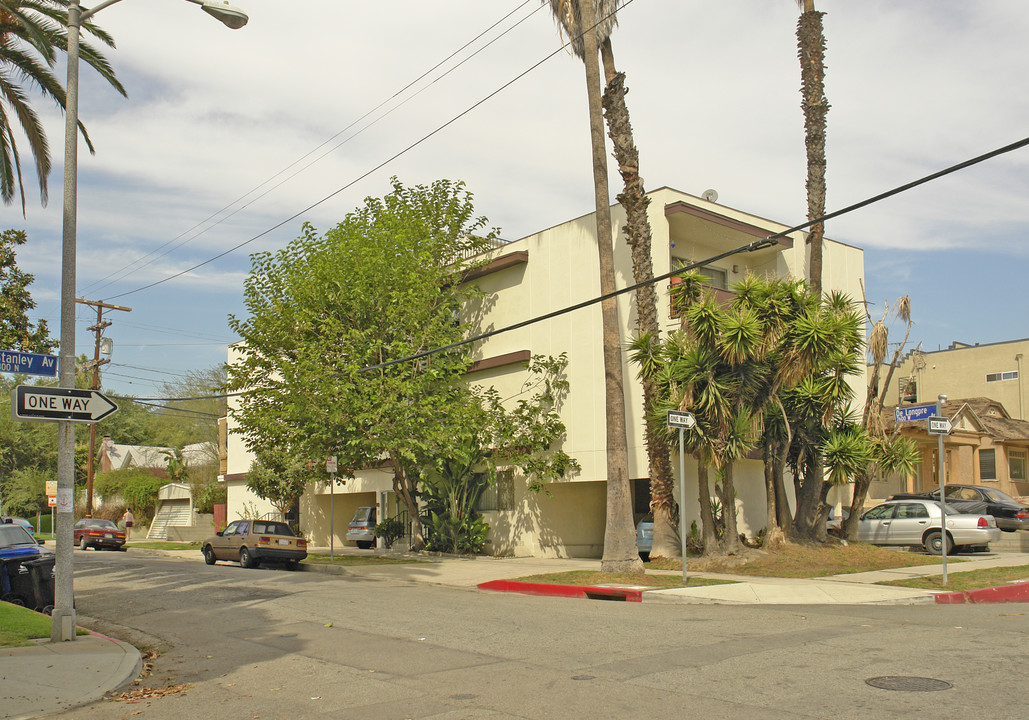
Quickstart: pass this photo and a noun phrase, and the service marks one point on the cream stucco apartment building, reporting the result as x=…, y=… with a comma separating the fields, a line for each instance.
x=992, y=370
x=548, y=271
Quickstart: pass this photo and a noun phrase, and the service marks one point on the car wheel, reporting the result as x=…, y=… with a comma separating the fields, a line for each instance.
x=47, y=610
x=209, y=555
x=247, y=560
x=933, y=543
x=82, y=543
x=364, y=544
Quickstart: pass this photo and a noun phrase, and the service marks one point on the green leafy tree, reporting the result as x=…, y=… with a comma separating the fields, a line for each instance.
x=279, y=479
x=141, y=495
x=332, y=320
x=17, y=332
x=32, y=33
x=24, y=491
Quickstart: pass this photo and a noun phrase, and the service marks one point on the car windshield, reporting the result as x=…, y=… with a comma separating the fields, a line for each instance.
x=272, y=528
x=14, y=536
x=101, y=524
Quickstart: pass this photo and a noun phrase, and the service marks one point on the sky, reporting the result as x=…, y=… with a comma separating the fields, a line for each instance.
x=229, y=141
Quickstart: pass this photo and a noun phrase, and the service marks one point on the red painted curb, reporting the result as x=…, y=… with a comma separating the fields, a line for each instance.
x=1016, y=592
x=591, y=592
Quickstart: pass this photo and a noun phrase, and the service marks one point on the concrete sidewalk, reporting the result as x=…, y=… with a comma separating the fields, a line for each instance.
x=50, y=678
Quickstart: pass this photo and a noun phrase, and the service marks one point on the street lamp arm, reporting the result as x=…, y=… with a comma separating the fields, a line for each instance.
x=229, y=15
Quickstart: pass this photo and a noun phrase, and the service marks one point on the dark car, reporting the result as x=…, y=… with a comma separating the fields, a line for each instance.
x=251, y=542
x=1010, y=514
x=13, y=520
x=97, y=534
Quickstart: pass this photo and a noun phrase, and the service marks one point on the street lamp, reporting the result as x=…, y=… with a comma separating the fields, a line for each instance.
x=63, y=620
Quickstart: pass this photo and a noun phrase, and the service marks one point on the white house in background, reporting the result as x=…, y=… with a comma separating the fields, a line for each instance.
x=539, y=274
x=114, y=456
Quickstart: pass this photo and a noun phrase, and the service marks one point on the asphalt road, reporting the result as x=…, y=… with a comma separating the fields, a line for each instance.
x=263, y=643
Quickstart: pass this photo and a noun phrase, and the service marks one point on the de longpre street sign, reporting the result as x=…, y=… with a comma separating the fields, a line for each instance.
x=55, y=404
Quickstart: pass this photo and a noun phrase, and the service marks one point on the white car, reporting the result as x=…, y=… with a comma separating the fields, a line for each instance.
x=917, y=522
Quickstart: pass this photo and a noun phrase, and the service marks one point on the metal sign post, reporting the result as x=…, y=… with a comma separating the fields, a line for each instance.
x=683, y=421
x=330, y=467
x=943, y=482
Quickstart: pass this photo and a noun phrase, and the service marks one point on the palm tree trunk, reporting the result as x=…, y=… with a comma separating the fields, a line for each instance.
x=620, y=553
x=707, y=519
x=638, y=234
x=731, y=537
x=811, y=49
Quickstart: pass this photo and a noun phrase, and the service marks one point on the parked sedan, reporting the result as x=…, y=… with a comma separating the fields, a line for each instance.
x=913, y=522
x=97, y=534
x=1010, y=514
x=251, y=542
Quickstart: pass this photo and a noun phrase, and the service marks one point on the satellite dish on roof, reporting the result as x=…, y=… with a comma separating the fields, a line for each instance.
x=710, y=195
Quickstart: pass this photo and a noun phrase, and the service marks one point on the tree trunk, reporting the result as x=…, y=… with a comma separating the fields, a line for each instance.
x=620, y=553
x=782, y=501
x=848, y=526
x=707, y=519
x=731, y=536
x=403, y=486
x=638, y=235
x=811, y=50
x=809, y=499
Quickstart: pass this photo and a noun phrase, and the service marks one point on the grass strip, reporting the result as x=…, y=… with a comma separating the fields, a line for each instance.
x=590, y=577
x=804, y=561
x=19, y=625
x=965, y=581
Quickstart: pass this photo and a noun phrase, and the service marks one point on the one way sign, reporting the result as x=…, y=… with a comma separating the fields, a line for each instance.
x=48, y=403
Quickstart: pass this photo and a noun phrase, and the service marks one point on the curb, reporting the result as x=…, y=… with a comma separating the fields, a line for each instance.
x=1016, y=592
x=627, y=593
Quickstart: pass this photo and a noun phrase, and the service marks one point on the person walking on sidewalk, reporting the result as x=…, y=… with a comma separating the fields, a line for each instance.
x=129, y=522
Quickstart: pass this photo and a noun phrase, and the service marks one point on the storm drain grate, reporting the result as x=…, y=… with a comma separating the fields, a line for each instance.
x=908, y=684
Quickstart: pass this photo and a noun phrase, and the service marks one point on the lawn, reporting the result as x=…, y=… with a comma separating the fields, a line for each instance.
x=805, y=561
x=19, y=625
x=590, y=577
x=964, y=581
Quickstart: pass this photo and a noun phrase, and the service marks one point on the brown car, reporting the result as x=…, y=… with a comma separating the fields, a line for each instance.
x=251, y=542
x=97, y=533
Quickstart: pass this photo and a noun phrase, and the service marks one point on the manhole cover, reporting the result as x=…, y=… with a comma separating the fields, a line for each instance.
x=908, y=684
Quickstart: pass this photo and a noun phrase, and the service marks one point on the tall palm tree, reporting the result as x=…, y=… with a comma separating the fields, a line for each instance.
x=811, y=49
x=638, y=235
x=620, y=553
x=31, y=33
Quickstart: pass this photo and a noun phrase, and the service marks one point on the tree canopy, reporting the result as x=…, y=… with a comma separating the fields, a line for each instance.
x=17, y=332
x=327, y=364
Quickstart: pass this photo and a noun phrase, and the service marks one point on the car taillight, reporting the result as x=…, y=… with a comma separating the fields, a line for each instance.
x=1022, y=515
x=301, y=543
x=264, y=539
x=983, y=523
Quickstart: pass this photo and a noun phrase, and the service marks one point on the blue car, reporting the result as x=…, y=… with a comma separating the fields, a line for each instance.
x=26, y=569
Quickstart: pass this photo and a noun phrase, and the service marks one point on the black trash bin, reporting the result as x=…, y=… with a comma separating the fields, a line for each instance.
x=41, y=576
x=16, y=583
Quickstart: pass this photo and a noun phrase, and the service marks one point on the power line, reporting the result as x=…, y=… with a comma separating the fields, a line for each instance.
x=356, y=180
x=139, y=264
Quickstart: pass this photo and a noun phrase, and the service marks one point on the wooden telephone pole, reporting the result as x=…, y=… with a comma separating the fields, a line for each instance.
x=97, y=329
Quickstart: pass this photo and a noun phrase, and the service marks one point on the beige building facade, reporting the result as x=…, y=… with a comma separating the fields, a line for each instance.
x=546, y=272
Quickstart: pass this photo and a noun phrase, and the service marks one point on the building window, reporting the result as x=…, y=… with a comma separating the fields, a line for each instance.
x=987, y=464
x=998, y=377
x=499, y=495
x=716, y=277
x=1016, y=464
x=908, y=390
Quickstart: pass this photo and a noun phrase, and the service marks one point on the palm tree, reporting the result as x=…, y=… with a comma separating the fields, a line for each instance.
x=620, y=554
x=31, y=33
x=811, y=49
x=638, y=235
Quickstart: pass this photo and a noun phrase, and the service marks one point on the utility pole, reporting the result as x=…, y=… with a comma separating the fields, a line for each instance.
x=98, y=330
